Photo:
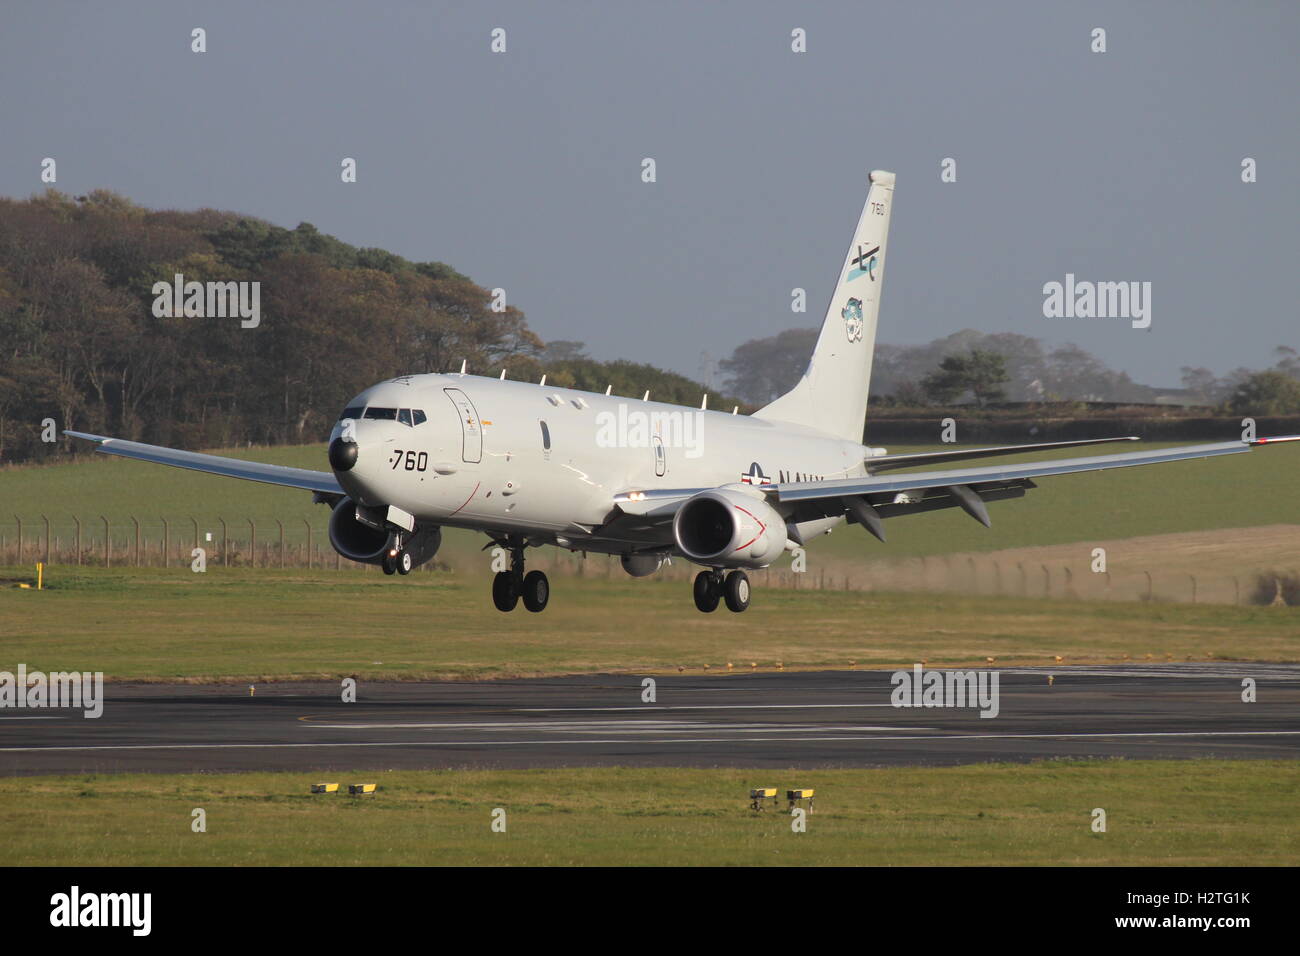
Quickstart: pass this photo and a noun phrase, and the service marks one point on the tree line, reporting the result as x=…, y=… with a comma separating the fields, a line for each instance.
x=82, y=343
x=982, y=369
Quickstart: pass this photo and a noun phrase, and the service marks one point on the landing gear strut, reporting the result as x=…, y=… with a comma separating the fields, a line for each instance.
x=711, y=588
x=509, y=586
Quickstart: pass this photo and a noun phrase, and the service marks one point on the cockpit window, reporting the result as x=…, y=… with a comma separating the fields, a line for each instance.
x=404, y=416
x=382, y=414
x=420, y=417
x=353, y=412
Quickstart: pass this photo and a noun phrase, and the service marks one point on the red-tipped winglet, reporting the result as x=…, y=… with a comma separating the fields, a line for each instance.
x=1274, y=441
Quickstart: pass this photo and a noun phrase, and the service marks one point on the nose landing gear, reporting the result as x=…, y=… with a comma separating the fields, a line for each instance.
x=397, y=560
x=711, y=588
x=509, y=586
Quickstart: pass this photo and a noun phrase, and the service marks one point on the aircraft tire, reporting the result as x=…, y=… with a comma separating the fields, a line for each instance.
x=537, y=591
x=706, y=592
x=737, y=591
x=504, y=595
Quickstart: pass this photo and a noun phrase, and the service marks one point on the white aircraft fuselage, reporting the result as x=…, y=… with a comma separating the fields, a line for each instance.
x=538, y=460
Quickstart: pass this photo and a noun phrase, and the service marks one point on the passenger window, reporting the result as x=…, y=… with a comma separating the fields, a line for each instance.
x=419, y=415
x=546, y=437
x=404, y=416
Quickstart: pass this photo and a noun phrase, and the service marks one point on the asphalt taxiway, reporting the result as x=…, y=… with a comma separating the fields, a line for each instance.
x=741, y=719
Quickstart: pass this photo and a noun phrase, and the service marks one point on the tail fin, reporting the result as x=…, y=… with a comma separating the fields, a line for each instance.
x=832, y=395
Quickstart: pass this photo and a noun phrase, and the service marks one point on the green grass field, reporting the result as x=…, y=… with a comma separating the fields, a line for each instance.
x=172, y=624
x=1176, y=813
x=1235, y=492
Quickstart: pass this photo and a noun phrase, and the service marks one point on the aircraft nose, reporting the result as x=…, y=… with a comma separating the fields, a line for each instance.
x=342, y=454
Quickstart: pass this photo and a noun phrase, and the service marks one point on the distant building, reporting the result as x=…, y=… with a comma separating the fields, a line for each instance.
x=1180, y=397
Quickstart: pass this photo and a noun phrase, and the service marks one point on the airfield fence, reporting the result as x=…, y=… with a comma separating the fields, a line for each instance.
x=248, y=542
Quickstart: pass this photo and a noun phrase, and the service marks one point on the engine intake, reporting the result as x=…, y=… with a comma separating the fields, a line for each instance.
x=727, y=528
x=365, y=539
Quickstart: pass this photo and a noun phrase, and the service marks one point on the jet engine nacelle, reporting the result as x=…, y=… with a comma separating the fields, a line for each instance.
x=366, y=541
x=727, y=528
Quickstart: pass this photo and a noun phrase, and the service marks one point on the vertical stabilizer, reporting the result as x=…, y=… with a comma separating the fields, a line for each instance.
x=832, y=395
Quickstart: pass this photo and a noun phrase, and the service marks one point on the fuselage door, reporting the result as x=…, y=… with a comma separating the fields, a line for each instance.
x=471, y=428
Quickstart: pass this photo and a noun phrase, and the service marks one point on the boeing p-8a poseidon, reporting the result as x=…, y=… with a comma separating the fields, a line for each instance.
x=531, y=464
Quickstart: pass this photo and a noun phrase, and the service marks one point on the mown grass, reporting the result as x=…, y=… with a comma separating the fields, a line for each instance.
x=173, y=624
x=1178, y=813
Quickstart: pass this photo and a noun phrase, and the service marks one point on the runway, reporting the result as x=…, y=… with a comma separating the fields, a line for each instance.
x=740, y=719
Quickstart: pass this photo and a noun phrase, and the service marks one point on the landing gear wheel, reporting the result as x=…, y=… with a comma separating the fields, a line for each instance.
x=737, y=591
x=706, y=592
x=537, y=591
x=389, y=564
x=504, y=594
x=404, y=563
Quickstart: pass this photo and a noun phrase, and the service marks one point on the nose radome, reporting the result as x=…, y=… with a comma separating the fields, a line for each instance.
x=342, y=454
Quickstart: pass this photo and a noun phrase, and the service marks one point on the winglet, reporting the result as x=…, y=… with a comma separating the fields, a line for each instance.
x=1273, y=441
x=97, y=439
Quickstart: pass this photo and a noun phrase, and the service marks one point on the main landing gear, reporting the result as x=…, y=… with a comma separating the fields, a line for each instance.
x=711, y=587
x=509, y=586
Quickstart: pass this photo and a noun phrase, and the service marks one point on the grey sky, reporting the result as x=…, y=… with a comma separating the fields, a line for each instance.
x=523, y=169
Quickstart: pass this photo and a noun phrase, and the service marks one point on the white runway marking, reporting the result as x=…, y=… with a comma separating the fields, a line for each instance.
x=31, y=718
x=603, y=726
x=557, y=710
x=624, y=742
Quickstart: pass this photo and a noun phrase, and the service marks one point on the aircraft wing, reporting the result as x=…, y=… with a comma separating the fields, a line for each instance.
x=870, y=498
x=882, y=462
x=917, y=481
x=318, y=481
